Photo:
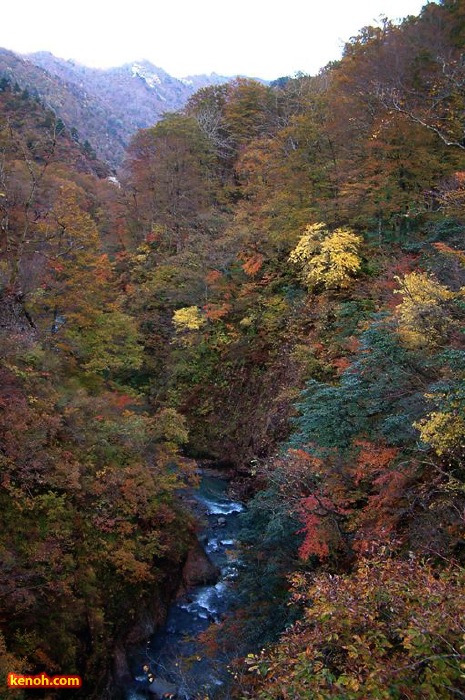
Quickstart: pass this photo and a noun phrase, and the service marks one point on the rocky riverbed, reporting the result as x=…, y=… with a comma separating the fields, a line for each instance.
x=174, y=657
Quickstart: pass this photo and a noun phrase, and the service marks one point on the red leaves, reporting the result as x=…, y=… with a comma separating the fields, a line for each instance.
x=252, y=263
x=447, y=250
x=387, y=491
x=313, y=493
x=359, y=498
x=214, y=312
x=121, y=401
x=322, y=517
x=312, y=513
x=372, y=459
x=213, y=277
x=341, y=364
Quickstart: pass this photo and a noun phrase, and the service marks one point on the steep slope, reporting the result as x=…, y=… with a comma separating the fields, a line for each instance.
x=78, y=107
x=55, y=281
x=105, y=107
x=39, y=129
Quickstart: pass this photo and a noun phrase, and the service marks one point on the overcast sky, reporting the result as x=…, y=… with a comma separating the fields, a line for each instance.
x=251, y=37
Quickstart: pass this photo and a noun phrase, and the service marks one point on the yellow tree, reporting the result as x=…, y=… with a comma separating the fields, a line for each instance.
x=327, y=260
x=76, y=301
x=425, y=311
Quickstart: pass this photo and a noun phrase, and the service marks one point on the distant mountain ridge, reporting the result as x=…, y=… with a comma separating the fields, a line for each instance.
x=105, y=106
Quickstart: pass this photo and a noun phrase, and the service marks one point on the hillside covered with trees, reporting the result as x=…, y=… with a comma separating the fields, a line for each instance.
x=275, y=282
x=102, y=107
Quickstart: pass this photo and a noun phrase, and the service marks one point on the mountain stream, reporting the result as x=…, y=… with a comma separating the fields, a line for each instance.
x=174, y=654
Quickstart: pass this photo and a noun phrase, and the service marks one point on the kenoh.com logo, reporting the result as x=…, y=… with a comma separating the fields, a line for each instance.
x=42, y=680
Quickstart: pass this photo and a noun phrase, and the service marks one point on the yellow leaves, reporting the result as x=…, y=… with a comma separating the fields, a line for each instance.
x=129, y=567
x=424, y=319
x=69, y=223
x=308, y=243
x=443, y=431
x=349, y=682
x=421, y=288
x=170, y=426
x=328, y=260
x=109, y=343
x=188, y=318
x=273, y=313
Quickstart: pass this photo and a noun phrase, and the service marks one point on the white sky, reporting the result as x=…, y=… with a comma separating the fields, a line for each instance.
x=252, y=37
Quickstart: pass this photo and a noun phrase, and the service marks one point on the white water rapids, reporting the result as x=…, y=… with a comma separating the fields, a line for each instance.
x=174, y=653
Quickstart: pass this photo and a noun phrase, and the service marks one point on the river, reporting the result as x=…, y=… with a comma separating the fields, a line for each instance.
x=174, y=653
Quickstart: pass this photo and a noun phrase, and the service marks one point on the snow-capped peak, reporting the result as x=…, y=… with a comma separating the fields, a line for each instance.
x=138, y=71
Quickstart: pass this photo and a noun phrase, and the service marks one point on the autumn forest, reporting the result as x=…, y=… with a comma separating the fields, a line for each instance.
x=273, y=281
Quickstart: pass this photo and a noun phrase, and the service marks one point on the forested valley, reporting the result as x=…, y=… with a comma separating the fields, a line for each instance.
x=273, y=281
